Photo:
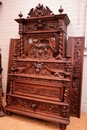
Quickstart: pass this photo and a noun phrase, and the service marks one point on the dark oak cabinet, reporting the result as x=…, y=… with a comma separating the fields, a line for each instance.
x=45, y=69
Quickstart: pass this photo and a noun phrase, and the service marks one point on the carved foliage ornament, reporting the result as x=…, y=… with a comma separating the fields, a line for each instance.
x=76, y=76
x=40, y=10
x=40, y=24
x=35, y=105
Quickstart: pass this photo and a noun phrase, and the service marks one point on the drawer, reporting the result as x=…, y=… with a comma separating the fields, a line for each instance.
x=45, y=91
x=38, y=106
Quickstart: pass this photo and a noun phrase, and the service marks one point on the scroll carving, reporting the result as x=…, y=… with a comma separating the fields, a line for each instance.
x=40, y=10
x=39, y=68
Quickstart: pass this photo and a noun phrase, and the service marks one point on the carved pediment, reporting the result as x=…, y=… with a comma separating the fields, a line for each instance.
x=40, y=10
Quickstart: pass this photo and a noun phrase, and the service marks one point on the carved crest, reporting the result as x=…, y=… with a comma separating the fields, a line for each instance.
x=40, y=10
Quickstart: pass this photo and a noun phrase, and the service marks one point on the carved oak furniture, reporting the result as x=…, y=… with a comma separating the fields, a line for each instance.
x=44, y=74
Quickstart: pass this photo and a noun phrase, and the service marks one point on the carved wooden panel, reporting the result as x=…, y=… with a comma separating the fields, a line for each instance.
x=77, y=58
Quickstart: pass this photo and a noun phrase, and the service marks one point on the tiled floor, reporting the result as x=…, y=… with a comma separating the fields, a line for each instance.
x=18, y=122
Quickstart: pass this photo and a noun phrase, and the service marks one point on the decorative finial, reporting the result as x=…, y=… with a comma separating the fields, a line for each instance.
x=60, y=10
x=20, y=15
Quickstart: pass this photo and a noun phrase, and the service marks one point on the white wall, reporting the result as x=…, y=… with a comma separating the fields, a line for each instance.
x=9, y=11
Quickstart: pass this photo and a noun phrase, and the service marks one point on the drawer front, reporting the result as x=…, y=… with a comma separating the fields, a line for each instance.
x=49, y=92
x=38, y=106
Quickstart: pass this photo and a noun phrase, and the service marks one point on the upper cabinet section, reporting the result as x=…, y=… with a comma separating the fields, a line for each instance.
x=42, y=19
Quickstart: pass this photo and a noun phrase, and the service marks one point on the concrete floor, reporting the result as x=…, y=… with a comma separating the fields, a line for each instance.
x=18, y=122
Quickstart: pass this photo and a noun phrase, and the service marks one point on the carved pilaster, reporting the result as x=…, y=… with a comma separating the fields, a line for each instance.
x=66, y=94
x=21, y=46
x=21, y=31
x=60, y=43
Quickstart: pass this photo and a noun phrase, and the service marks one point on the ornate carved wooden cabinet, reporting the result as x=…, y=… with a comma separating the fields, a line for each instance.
x=44, y=69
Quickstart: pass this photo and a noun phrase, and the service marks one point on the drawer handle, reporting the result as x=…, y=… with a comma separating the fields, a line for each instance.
x=34, y=105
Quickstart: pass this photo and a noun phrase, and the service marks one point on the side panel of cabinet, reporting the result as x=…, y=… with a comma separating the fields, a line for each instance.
x=13, y=43
x=76, y=47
